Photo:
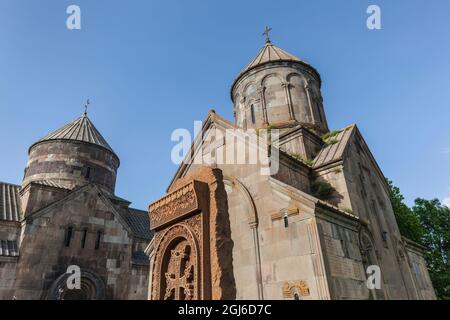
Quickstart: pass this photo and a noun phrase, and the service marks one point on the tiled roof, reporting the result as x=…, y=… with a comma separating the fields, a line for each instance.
x=81, y=129
x=139, y=223
x=8, y=248
x=9, y=202
x=140, y=258
x=334, y=152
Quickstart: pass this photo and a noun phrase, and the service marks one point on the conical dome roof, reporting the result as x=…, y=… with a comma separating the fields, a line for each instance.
x=270, y=53
x=82, y=130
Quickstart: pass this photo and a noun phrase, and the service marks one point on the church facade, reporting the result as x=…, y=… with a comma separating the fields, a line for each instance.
x=317, y=227
x=66, y=217
x=314, y=221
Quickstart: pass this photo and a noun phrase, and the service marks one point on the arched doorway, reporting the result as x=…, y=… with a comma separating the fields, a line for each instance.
x=91, y=288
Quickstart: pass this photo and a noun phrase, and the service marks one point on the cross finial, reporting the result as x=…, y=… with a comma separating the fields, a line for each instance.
x=266, y=34
x=86, y=107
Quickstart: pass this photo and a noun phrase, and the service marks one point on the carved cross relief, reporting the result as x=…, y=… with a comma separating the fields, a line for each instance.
x=180, y=274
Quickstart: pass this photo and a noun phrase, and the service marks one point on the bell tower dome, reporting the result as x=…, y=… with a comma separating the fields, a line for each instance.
x=278, y=90
x=73, y=156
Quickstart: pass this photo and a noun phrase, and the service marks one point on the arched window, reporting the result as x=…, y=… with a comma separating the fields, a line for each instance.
x=252, y=112
x=69, y=234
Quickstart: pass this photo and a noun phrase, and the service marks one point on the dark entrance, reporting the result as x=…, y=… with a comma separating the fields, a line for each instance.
x=91, y=288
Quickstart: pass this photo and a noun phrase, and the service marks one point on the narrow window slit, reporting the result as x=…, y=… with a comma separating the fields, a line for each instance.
x=83, y=239
x=69, y=234
x=97, y=242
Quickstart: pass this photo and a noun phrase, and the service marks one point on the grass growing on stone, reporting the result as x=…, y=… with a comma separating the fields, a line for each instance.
x=348, y=210
x=331, y=141
x=330, y=134
x=296, y=156
x=322, y=189
x=329, y=138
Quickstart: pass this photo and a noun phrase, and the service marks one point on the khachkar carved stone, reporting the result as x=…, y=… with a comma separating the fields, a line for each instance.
x=191, y=223
x=180, y=273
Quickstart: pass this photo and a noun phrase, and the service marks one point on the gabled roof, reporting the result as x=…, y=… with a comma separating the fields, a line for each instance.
x=212, y=119
x=334, y=152
x=135, y=221
x=10, y=205
x=139, y=223
x=82, y=130
x=140, y=258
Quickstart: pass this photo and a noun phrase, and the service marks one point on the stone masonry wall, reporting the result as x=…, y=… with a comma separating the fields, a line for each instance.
x=111, y=261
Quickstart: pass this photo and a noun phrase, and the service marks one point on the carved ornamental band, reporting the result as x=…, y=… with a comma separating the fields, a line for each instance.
x=175, y=205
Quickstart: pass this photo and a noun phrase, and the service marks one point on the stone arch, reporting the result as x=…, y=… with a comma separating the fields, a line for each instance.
x=239, y=109
x=275, y=99
x=251, y=215
x=237, y=97
x=264, y=80
x=370, y=257
x=317, y=100
x=176, y=269
x=298, y=94
x=250, y=90
x=401, y=252
x=294, y=74
x=367, y=247
x=258, y=115
x=92, y=288
x=237, y=101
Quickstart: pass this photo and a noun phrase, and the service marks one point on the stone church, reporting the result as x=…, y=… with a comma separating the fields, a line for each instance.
x=66, y=214
x=312, y=229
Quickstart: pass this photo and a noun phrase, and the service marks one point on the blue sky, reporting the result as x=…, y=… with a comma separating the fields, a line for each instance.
x=150, y=67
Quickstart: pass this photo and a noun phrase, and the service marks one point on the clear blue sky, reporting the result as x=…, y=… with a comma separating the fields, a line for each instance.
x=150, y=67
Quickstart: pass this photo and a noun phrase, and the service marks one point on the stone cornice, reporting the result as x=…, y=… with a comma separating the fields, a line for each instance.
x=174, y=206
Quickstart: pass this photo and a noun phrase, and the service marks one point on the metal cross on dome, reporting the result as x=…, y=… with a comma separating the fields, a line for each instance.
x=266, y=34
x=86, y=106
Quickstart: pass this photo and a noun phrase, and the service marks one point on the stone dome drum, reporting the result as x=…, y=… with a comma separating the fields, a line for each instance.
x=71, y=157
x=277, y=89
